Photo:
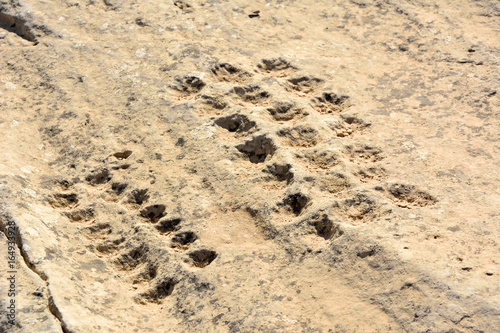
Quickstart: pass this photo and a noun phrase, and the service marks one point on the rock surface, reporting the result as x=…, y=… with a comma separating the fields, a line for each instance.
x=243, y=166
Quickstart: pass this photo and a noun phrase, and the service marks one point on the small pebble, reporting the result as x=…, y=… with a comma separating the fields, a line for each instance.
x=254, y=13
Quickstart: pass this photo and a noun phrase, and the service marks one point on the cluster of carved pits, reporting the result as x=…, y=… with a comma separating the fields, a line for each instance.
x=302, y=124
x=301, y=96
x=127, y=249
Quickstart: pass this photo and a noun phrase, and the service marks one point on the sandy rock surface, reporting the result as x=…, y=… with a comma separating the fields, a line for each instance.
x=250, y=166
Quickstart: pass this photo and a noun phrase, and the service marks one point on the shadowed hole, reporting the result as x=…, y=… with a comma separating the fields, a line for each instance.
x=300, y=136
x=330, y=102
x=325, y=227
x=99, y=229
x=251, y=93
x=285, y=110
x=188, y=84
x=228, y=72
x=296, y=203
x=364, y=153
x=118, y=188
x=202, y=258
x=217, y=102
x=324, y=159
x=236, y=123
x=258, y=148
x=282, y=172
x=133, y=258
x=100, y=176
x=64, y=200
x=81, y=215
x=183, y=238
x=156, y=294
x=148, y=274
x=138, y=196
x=275, y=64
x=168, y=225
x=304, y=84
x=154, y=212
x=410, y=195
x=109, y=247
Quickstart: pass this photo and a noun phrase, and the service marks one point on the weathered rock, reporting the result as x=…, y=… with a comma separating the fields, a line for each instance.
x=190, y=166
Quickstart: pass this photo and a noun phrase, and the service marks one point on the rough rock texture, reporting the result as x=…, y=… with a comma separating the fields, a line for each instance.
x=242, y=166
